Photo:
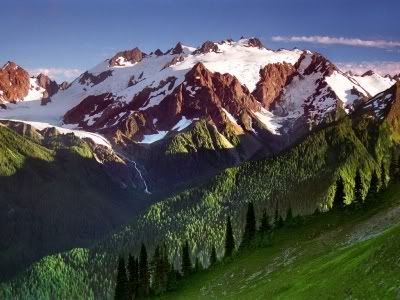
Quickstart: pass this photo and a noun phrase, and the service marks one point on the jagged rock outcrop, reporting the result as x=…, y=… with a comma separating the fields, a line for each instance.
x=255, y=42
x=90, y=79
x=132, y=56
x=14, y=82
x=273, y=79
x=51, y=87
x=207, y=47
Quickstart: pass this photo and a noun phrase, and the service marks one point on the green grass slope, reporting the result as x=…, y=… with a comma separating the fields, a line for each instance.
x=333, y=256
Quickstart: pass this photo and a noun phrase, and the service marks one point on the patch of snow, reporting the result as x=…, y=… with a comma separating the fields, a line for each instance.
x=35, y=91
x=182, y=124
x=95, y=137
x=151, y=138
x=342, y=87
x=375, y=83
x=269, y=121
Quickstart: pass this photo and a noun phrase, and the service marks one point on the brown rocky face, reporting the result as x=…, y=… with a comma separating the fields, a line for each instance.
x=318, y=64
x=255, y=42
x=49, y=85
x=14, y=82
x=207, y=47
x=178, y=49
x=88, y=107
x=273, y=78
x=203, y=94
x=173, y=61
x=133, y=56
x=87, y=78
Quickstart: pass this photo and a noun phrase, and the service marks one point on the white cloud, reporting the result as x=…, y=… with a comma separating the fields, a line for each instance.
x=58, y=74
x=330, y=40
x=380, y=67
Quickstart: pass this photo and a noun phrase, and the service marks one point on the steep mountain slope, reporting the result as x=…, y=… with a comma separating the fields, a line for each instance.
x=302, y=179
x=255, y=102
x=55, y=195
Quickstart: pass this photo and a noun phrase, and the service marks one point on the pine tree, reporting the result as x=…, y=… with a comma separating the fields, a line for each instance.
x=373, y=187
x=133, y=276
x=229, y=239
x=160, y=268
x=338, y=200
x=144, y=275
x=186, y=261
x=213, y=256
x=121, y=287
x=250, y=227
x=358, y=190
x=265, y=226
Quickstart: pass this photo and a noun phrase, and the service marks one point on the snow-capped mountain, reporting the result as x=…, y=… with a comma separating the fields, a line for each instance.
x=205, y=108
x=143, y=97
x=16, y=85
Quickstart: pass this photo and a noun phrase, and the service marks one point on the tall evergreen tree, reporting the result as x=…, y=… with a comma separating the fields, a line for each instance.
x=133, y=276
x=144, y=274
x=213, y=256
x=265, y=226
x=373, y=187
x=250, y=227
x=160, y=266
x=338, y=200
x=229, y=239
x=186, y=261
x=121, y=287
x=358, y=189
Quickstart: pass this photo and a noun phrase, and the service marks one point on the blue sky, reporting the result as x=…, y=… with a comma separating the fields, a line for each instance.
x=69, y=36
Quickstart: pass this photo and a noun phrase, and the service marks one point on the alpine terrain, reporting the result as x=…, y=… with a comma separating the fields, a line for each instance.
x=223, y=171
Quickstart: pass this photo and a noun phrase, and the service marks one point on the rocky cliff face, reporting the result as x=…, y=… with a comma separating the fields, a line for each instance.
x=14, y=82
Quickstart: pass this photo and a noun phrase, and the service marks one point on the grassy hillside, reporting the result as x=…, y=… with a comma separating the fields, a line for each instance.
x=53, y=199
x=303, y=179
x=333, y=256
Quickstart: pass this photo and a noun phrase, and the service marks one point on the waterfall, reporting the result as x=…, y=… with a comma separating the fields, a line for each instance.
x=133, y=163
x=146, y=190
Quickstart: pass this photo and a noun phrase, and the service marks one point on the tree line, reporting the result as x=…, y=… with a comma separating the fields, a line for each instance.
x=142, y=277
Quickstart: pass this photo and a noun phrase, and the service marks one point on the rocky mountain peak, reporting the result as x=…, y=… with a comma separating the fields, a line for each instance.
x=178, y=49
x=207, y=47
x=14, y=82
x=368, y=73
x=255, y=42
x=129, y=56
